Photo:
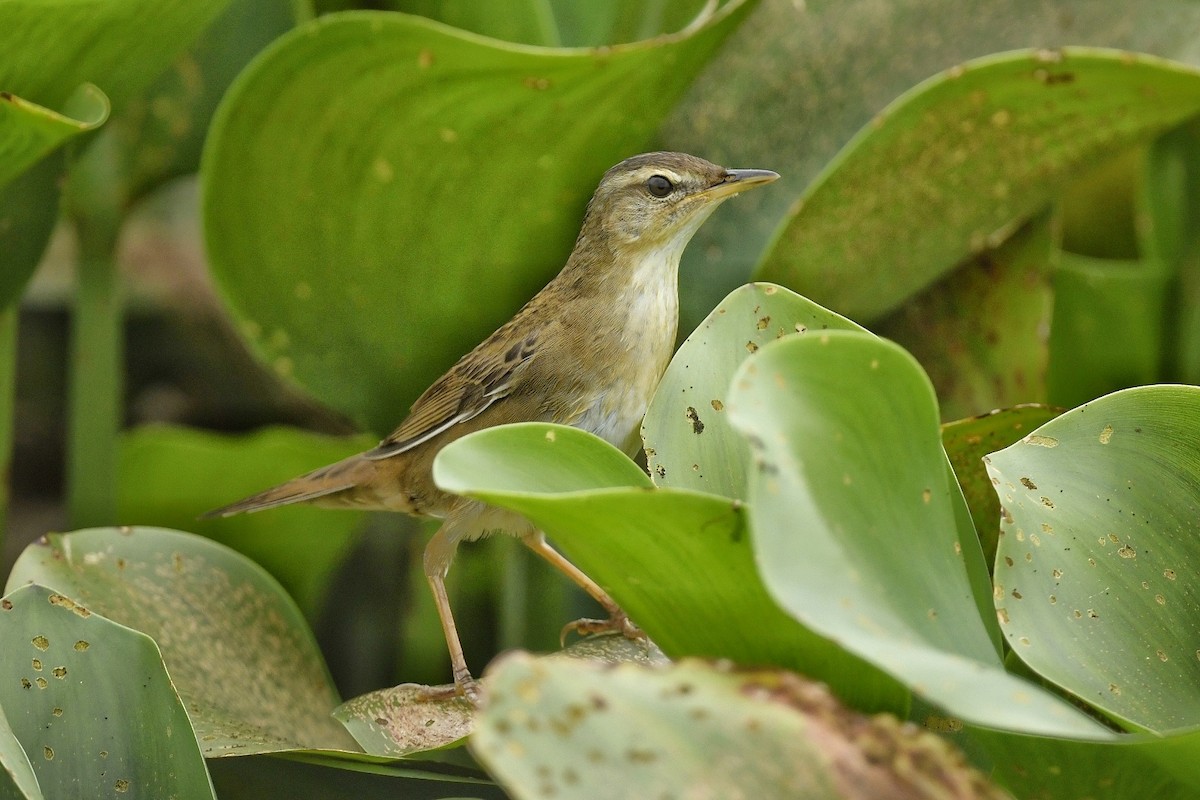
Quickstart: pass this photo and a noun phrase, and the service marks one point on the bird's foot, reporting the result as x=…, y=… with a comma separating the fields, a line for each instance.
x=465, y=687
x=617, y=623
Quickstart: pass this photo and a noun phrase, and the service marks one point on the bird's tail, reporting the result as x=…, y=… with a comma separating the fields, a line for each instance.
x=330, y=485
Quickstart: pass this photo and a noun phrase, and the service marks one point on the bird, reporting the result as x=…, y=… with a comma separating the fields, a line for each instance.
x=588, y=350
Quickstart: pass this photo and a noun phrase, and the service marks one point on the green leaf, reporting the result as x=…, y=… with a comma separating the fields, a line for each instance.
x=615, y=21
x=1108, y=329
x=689, y=442
x=29, y=132
x=53, y=46
x=1170, y=221
x=28, y=211
x=562, y=23
x=855, y=518
x=1046, y=768
x=980, y=331
x=571, y=730
x=308, y=777
x=169, y=476
x=980, y=147
x=406, y=719
x=798, y=80
x=332, y=225
x=89, y=700
x=967, y=441
x=238, y=650
x=678, y=562
x=17, y=778
x=160, y=132
x=1098, y=554
x=521, y=22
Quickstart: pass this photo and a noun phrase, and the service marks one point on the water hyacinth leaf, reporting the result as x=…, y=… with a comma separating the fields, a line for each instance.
x=238, y=650
x=469, y=190
x=72, y=683
x=575, y=730
x=168, y=476
x=406, y=719
x=1003, y=131
x=561, y=23
x=856, y=524
x=980, y=331
x=677, y=561
x=119, y=45
x=689, y=442
x=1098, y=554
x=967, y=441
x=28, y=211
x=1045, y=768
x=17, y=778
x=29, y=132
x=745, y=107
x=160, y=133
x=321, y=777
x=1108, y=330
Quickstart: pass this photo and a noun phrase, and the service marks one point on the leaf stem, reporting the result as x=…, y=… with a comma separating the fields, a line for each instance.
x=96, y=380
x=8, y=387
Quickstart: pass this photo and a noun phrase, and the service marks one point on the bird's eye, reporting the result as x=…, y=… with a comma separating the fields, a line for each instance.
x=659, y=185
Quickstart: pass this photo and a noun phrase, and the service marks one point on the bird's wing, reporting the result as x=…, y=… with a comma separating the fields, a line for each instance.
x=482, y=378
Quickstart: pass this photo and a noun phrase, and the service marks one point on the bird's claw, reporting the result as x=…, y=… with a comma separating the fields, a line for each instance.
x=617, y=623
x=467, y=688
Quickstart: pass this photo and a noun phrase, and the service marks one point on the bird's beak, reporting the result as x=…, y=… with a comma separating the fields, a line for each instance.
x=739, y=180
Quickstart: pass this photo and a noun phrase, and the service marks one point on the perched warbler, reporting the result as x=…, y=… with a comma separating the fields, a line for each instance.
x=588, y=350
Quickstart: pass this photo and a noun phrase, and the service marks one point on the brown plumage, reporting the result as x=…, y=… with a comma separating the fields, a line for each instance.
x=588, y=350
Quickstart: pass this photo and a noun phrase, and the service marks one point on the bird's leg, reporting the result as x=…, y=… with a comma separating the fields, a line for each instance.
x=438, y=555
x=618, y=621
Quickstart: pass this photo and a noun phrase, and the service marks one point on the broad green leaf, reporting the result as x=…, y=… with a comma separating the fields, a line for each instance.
x=1108, y=326
x=373, y=174
x=798, y=80
x=1098, y=557
x=238, y=650
x=91, y=704
x=29, y=132
x=307, y=777
x=523, y=22
x=980, y=332
x=562, y=23
x=572, y=730
x=967, y=441
x=677, y=561
x=980, y=148
x=1097, y=209
x=1171, y=204
x=854, y=514
x=406, y=719
x=689, y=443
x=1045, y=768
x=160, y=132
x=28, y=211
x=53, y=46
x=169, y=476
x=17, y=778
x=515, y=458
x=616, y=21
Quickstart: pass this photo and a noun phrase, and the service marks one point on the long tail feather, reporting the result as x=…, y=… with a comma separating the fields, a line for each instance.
x=320, y=483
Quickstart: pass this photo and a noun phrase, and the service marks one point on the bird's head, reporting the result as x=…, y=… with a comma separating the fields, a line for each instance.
x=656, y=201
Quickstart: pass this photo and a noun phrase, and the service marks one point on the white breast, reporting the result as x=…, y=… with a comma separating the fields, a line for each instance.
x=648, y=340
